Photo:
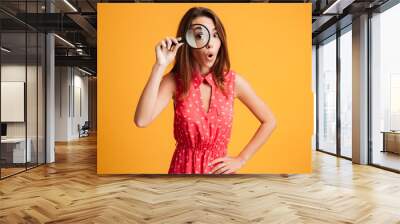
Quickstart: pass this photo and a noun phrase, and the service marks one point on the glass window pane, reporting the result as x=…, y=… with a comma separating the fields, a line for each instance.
x=314, y=73
x=14, y=153
x=327, y=96
x=346, y=94
x=385, y=88
x=22, y=88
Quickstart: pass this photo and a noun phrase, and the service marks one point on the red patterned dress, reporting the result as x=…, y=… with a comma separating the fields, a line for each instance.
x=201, y=136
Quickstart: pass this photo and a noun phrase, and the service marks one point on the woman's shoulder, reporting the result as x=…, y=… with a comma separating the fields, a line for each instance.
x=234, y=74
x=231, y=72
x=237, y=80
x=231, y=75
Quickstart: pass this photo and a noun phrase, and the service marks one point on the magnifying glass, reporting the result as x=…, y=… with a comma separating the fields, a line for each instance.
x=197, y=36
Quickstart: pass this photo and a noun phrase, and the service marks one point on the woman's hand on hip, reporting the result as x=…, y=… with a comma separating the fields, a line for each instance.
x=226, y=165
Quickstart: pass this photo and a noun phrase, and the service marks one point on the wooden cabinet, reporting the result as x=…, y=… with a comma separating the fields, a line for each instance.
x=391, y=141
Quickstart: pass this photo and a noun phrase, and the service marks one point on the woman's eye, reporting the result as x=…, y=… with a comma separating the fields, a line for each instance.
x=216, y=35
x=199, y=36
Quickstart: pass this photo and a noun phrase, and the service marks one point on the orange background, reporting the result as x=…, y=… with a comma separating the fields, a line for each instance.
x=269, y=45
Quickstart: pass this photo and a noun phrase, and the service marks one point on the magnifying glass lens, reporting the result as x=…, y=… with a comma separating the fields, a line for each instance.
x=197, y=36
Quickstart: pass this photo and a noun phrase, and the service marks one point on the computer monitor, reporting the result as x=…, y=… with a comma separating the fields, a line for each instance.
x=3, y=129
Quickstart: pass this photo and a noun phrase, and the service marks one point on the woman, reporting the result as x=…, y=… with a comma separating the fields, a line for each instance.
x=203, y=88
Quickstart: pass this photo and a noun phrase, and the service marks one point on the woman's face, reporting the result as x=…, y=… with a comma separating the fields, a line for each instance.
x=206, y=56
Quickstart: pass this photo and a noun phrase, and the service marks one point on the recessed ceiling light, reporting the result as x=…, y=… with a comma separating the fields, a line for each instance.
x=5, y=50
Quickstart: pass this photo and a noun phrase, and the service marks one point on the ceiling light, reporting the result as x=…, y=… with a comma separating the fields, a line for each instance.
x=70, y=5
x=338, y=6
x=64, y=40
x=84, y=71
x=5, y=50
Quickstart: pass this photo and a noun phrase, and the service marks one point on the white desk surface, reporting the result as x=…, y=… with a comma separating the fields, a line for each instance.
x=13, y=140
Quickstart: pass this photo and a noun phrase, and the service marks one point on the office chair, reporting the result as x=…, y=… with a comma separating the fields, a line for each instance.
x=84, y=130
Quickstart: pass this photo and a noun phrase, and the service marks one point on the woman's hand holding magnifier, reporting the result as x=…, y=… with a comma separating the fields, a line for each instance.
x=197, y=37
x=166, y=50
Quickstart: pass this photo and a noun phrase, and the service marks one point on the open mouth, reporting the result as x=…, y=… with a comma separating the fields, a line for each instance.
x=210, y=56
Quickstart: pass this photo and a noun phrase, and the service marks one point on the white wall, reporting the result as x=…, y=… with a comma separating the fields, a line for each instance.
x=70, y=84
x=62, y=78
x=80, y=83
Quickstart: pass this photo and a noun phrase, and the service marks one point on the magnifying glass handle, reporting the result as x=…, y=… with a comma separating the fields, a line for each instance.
x=180, y=40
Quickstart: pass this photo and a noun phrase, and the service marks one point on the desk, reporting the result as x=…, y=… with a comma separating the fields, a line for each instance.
x=15, y=148
x=391, y=141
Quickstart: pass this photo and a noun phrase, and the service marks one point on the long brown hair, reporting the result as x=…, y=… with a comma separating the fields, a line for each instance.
x=184, y=59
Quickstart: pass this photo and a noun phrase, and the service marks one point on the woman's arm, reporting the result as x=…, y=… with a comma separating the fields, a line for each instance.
x=155, y=96
x=263, y=113
x=158, y=90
